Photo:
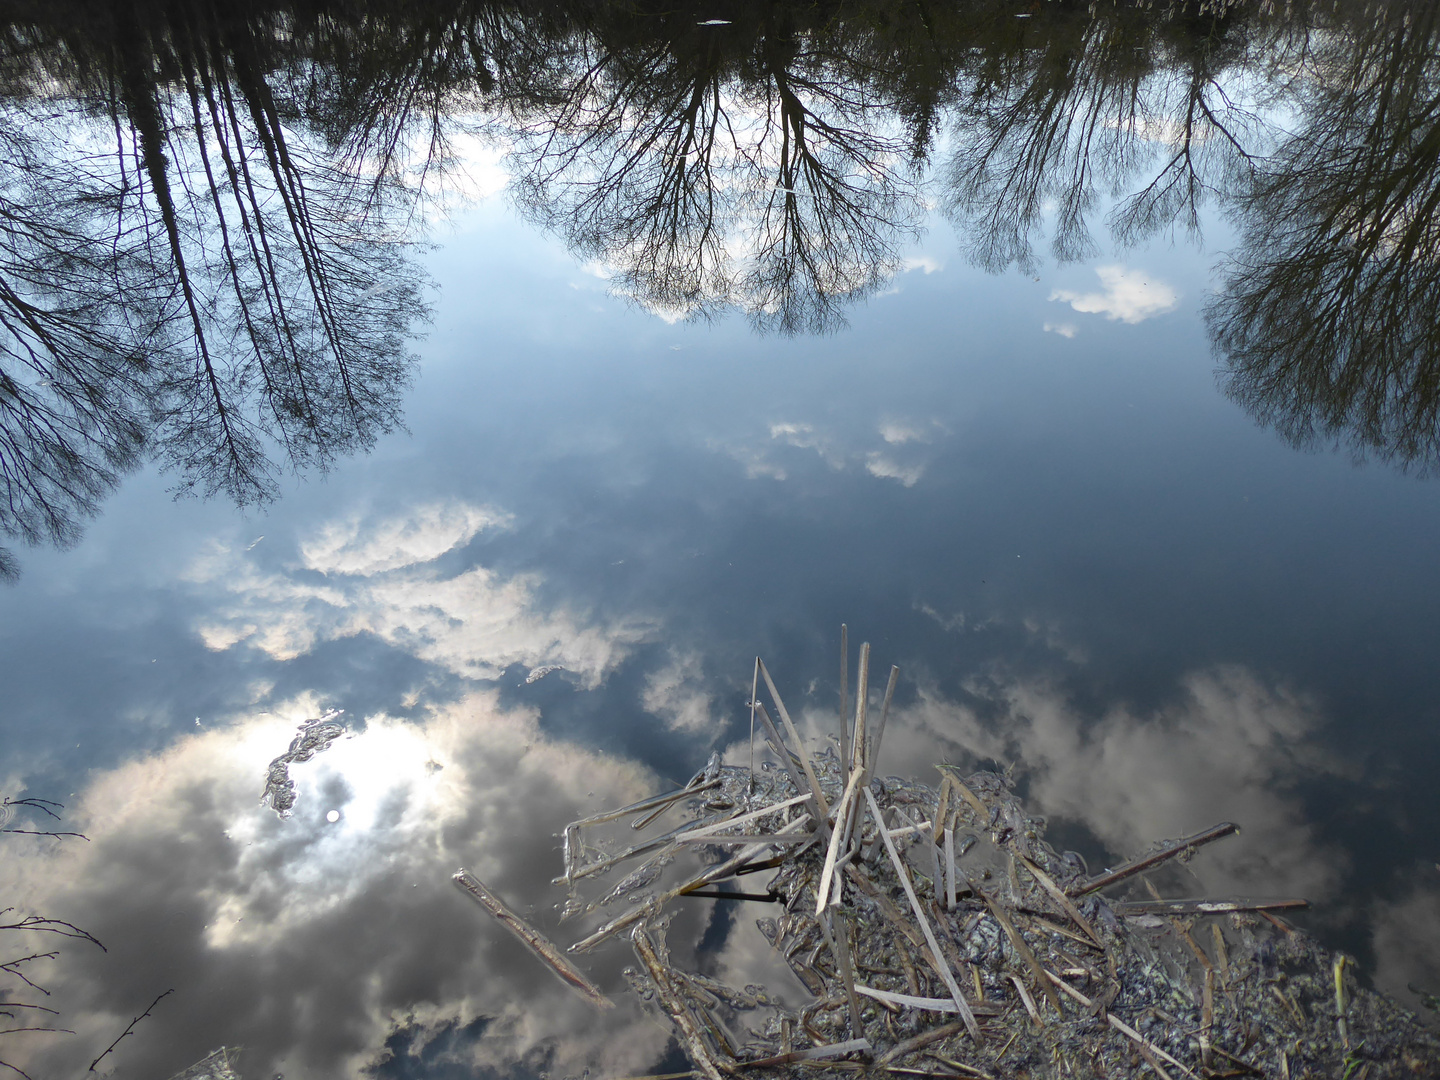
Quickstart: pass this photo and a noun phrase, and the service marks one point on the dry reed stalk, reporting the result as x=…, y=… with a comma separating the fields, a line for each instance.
x=946, y=975
x=538, y=943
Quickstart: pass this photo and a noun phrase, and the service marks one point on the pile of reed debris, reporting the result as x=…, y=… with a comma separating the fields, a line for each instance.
x=940, y=936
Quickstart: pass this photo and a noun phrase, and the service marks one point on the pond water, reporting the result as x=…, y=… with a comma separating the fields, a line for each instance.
x=545, y=364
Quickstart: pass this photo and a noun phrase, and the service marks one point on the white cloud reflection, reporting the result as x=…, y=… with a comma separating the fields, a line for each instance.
x=309, y=942
x=1130, y=296
x=382, y=577
x=902, y=457
x=1229, y=748
x=677, y=694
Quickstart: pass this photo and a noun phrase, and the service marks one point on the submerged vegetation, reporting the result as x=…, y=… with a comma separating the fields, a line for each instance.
x=933, y=932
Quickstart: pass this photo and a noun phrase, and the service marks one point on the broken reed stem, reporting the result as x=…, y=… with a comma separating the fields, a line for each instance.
x=982, y=812
x=844, y=691
x=837, y=837
x=815, y=1053
x=629, y=853
x=538, y=943
x=1204, y=907
x=724, y=870
x=949, y=868
x=783, y=753
x=645, y=804
x=941, y=966
x=872, y=752
x=862, y=700
x=1024, y=950
x=1144, y=1045
x=821, y=805
x=1066, y=904
x=743, y=819
x=674, y=1004
x=838, y=938
x=942, y=804
x=754, y=694
x=1169, y=851
x=919, y=1042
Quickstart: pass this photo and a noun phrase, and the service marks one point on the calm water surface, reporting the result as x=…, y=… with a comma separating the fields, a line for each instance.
x=1084, y=364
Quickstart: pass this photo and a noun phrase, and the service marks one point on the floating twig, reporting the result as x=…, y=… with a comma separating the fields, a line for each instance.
x=539, y=944
x=1164, y=854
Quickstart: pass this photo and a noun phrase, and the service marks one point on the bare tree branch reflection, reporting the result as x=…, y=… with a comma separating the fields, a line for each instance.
x=754, y=168
x=1059, y=117
x=185, y=275
x=1327, y=324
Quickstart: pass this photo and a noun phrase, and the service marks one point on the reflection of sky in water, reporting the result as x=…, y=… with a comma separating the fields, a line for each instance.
x=1027, y=493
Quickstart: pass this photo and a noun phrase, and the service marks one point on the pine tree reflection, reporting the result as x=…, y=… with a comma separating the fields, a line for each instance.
x=1328, y=324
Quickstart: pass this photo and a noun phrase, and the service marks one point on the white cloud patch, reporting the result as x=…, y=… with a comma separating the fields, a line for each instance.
x=1229, y=749
x=474, y=623
x=1130, y=296
x=676, y=693
x=885, y=467
x=805, y=437
x=423, y=534
x=1065, y=330
x=927, y=263
x=1407, y=942
x=897, y=433
x=309, y=941
x=902, y=458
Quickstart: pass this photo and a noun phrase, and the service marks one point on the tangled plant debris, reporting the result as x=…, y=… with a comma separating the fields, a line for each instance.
x=939, y=935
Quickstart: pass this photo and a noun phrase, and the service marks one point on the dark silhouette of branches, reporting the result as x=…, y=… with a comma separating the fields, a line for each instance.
x=758, y=167
x=130, y=1028
x=219, y=289
x=12, y=920
x=1327, y=324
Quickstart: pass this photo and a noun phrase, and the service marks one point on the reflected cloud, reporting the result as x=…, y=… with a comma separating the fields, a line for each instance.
x=1407, y=945
x=906, y=467
x=887, y=468
x=381, y=578
x=1230, y=748
x=311, y=941
x=1129, y=296
x=928, y=263
x=676, y=693
x=805, y=437
x=425, y=533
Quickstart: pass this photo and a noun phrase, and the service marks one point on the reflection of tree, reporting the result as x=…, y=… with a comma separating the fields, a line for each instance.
x=213, y=289
x=1076, y=109
x=1328, y=322
x=74, y=396
x=755, y=168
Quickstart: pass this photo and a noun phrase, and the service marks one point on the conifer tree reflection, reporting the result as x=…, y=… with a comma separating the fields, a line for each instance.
x=1327, y=323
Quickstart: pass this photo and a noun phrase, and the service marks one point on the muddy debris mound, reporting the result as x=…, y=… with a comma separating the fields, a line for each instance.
x=939, y=935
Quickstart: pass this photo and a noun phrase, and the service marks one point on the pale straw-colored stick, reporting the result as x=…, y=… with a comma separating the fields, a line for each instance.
x=940, y=965
x=537, y=942
x=821, y=805
x=724, y=870
x=950, y=868
x=844, y=693
x=836, y=841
